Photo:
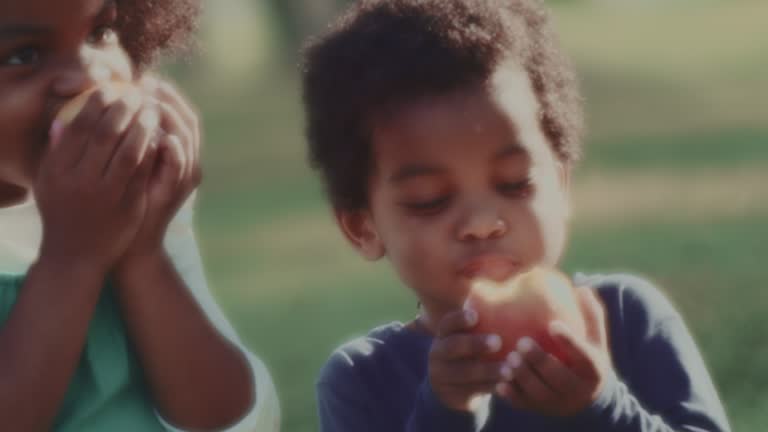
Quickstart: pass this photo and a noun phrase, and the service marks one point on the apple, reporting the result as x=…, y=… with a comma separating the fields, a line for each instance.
x=524, y=306
x=72, y=108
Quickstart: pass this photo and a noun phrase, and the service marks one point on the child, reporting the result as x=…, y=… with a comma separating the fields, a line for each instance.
x=445, y=132
x=149, y=348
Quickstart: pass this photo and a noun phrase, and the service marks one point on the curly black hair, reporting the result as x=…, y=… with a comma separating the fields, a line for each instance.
x=382, y=54
x=149, y=28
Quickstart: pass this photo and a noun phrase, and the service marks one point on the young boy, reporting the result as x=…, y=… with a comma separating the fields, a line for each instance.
x=445, y=132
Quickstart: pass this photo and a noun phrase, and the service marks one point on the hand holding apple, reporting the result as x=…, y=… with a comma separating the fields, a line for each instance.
x=459, y=369
x=90, y=185
x=542, y=383
x=176, y=175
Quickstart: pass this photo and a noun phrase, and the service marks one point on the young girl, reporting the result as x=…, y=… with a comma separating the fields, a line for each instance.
x=106, y=323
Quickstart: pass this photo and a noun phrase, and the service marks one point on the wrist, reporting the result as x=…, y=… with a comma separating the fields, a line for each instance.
x=67, y=266
x=139, y=260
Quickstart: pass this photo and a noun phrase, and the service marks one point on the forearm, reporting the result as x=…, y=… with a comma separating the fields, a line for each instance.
x=42, y=340
x=430, y=414
x=617, y=409
x=199, y=380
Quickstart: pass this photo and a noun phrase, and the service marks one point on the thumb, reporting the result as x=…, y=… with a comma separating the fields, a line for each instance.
x=594, y=317
x=169, y=167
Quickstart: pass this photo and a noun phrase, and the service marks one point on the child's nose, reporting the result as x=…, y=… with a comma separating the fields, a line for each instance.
x=482, y=224
x=80, y=75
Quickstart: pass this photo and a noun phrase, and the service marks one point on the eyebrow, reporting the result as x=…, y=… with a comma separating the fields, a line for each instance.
x=109, y=7
x=512, y=150
x=11, y=31
x=408, y=172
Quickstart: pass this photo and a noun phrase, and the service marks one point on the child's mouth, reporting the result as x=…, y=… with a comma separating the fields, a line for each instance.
x=497, y=268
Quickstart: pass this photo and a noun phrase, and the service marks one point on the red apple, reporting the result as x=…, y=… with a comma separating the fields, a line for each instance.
x=525, y=306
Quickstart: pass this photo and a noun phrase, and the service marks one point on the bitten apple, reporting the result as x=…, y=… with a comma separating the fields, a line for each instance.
x=72, y=108
x=525, y=306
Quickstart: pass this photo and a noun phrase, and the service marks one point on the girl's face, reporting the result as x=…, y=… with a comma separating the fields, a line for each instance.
x=50, y=51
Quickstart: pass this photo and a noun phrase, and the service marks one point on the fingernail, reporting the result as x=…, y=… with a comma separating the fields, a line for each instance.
x=471, y=316
x=506, y=372
x=56, y=127
x=493, y=342
x=149, y=84
x=514, y=359
x=557, y=328
x=525, y=344
x=149, y=118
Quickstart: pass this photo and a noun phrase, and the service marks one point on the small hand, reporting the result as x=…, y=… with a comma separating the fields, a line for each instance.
x=458, y=370
x=541, y=383
x=90, y=187
x=177, y=172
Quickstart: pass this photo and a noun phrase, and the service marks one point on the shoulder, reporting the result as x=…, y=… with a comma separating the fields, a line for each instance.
x=630, y=298
x=361, y=357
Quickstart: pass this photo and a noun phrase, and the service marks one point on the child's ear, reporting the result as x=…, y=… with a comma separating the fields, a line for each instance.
x=564, y=173
x=360, y=230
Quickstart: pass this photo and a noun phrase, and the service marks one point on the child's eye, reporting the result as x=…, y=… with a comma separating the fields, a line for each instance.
x=427, y=207
x=22, y=57
x=103, y=35
x=522, y=189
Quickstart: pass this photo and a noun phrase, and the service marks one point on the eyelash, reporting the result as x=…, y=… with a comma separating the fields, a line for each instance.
x=518, y=190
x=427, y=207
x=105, y=34
x=101, y=36
x=19, y=53
x=521, y=189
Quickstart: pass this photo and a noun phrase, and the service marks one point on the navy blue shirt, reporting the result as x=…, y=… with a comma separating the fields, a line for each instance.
x=379, y=382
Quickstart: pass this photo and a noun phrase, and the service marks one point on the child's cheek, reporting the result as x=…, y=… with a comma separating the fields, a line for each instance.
x=421, y=261
x=550, y=209
x=23, y=133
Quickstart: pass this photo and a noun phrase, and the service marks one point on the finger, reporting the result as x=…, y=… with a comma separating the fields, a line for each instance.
x=457, y=321
x=137, y=185
x=170, y=166
x=131, y=150
x=107, y=134
x=471, y=373
x=169, y=94
x=594, y=316
x=577, y=350
x=466, y=345
x=533, y=388
x=173, y=123
x=554, y=373
x=512, y=394
x=71, y=140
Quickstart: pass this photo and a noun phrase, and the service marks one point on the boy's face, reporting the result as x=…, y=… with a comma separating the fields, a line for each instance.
x=50, y=51
x=465, y=186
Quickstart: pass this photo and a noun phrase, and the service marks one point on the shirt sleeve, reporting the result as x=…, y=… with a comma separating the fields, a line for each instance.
x=180, y=243
x=669, y=388
x=346, y=405
x=429, y=414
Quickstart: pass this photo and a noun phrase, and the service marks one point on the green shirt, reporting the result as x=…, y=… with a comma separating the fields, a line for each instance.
x=107, y=391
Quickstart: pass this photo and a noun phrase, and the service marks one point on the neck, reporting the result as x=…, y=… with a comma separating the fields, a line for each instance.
x=430, y=316
x=11, y=194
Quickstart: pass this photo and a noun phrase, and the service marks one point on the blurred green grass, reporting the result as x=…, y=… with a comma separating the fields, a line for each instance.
x=674, y=93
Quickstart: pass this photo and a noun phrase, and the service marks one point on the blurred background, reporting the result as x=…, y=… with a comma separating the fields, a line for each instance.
x=674, y=186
